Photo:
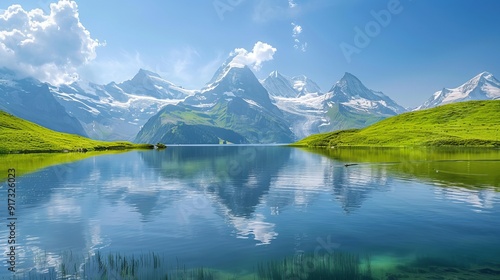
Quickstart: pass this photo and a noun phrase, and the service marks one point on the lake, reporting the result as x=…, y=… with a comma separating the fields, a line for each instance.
x=238, y=211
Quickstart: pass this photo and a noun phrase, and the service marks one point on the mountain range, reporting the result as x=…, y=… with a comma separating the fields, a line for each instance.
x=482, y=87
x=32, y=100
x=348, y=104
x=117, y=111
x=233, y=107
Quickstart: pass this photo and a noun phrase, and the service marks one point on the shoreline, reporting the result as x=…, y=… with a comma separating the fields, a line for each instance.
x=83, y=150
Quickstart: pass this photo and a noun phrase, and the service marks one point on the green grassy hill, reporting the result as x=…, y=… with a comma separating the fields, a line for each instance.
x=21, y=136
x=473, y=123
x=341, y=118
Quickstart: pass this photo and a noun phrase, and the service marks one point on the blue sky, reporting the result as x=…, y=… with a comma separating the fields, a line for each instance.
x=408, y=49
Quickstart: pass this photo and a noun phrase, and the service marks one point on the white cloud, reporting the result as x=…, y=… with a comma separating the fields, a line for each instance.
x=297, y=29
x=298, y=44
x=292, y=4
x=260, y=53
x=49, y=47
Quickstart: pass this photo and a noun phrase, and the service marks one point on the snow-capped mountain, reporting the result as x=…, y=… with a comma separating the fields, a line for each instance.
x=117, y=111
x=233, y=106
x=279, y=85
x=306, y=114
x=349, y=104
x=350, y=92
x=147, y=83
x=304, y=85
x=484, y=86
x=31, y=100
x=236, y=80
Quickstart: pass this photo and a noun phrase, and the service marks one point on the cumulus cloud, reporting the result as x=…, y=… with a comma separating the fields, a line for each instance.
x=297, y=29
x=260, y=53
x=49, y=46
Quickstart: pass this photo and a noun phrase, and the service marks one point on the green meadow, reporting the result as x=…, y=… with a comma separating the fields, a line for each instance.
x=21, y=136
x=465, y=124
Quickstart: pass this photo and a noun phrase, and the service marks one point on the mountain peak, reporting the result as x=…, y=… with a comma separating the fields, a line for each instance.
x=483, y=86
x=274, y=74
x=481, y=75
x=143, y=73
x=351, y=92
x=349, y=81
x=479, y=80
x=225, y=68
x=304, y=85
x=348, y=75
x=147, y=83
x=485, y=74
x=350, y=78
x=279, y=85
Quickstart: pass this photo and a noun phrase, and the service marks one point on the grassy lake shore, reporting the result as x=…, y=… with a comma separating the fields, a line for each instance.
x=18, y=136
x=464, y=124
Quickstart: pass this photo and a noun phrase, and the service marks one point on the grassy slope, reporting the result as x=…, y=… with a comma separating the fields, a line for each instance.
x=473, y=123
x=21, y=136
x=237, y=116
x=342, y=118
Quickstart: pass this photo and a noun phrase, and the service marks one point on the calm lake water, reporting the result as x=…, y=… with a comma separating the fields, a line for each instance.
x=230, y=208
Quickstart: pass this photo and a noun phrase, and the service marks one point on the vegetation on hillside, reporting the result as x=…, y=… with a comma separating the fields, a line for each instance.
x=21, y=136
x=342, y=118
x=473, y=124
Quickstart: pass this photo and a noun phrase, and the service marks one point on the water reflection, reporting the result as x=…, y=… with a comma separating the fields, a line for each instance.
x=353, y=185
x=460, y=167
x=467, y=175
x=222, y=201
x=235, y=179
x=480, y=200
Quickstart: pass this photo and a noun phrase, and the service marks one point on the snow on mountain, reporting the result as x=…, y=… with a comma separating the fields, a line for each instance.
x=222, y=72
x=300, y=100
x=278, y=109
x=304, y=85
x=279, y=85
x=350, y=92
x=305, y=114
x=117, y=111
x=147, y=83
x=31, y=100
x=234, y=101
x=233, y=80
x=349, y=104
x=483, y=86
